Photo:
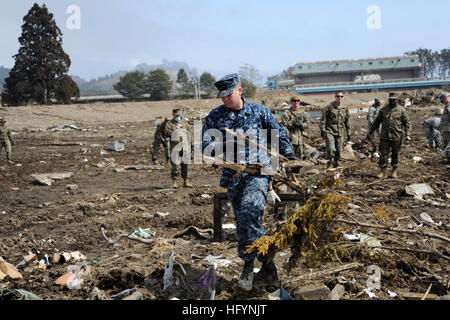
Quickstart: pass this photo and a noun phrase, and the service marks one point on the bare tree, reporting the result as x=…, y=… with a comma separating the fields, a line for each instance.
x=250, y=73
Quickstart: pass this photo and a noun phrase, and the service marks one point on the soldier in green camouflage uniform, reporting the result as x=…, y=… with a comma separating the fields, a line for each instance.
x=158, y=140
x=335, y=119
x=296, y=121
x=372, y=115
x=394, y=119
x=5, y=140
x=172, y=125
x=444, y=126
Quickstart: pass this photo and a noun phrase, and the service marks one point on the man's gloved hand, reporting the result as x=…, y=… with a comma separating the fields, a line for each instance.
x=272, y=197
x=349, y=137
x=407, y=140
x=322, y=133
x=369, y=137
x=153, y=161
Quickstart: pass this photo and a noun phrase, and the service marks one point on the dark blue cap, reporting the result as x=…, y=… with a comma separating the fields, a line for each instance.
x=227, y=84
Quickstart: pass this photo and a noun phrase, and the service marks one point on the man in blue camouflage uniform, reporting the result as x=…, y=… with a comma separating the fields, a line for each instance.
x=247, y=193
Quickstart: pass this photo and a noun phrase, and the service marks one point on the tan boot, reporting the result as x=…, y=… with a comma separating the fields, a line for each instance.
x=382, y=174
x=394, y=173
x=174, y=184
x=187, y=184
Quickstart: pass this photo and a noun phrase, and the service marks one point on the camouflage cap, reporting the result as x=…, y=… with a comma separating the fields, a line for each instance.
x=393, y=96
x=294, y=98
x=226, y=84
x=176, y=111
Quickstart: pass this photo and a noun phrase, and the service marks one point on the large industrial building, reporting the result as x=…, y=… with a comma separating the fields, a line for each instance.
x=358, y=70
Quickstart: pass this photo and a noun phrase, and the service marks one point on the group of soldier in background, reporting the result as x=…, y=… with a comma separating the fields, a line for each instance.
x=391, y=123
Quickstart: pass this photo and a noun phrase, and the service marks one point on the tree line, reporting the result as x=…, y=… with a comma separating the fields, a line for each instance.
x=188, y=84
x=433, y=62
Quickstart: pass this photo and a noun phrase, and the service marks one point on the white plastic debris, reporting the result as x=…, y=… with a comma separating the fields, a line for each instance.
x=370, y=293
x=417, y=159
x=161, y=214
x=352, y=237
x=228, y=226
x=206, y=196
x=425, y=217
x=418, y=190
x=168, y=273
x=115, y=146
x=218, y=260
x=392, y=294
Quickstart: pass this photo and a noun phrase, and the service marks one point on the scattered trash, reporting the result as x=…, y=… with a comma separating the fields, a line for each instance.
x=47, y=178
x=7, y=269
x=15, y=189
x=97, y=294
x=218, y=260
x=229, y=226
x=137, y=295
x=65, y=279
x=425, y=217
x=313, y=292
x=416, y=159
x=337, y=293
x=122, y=294
x=17, y=294
x=196, y=232
x=115, y=146
x=280, y=294
x=352, y=237
x=71, y=186
x=370, y=293
x=142, y=233
x=206, y=196
x=207, y=282
x=168, y=273
x=65, y=127
x=418, y=190
x=392, y=294
x=161, y=214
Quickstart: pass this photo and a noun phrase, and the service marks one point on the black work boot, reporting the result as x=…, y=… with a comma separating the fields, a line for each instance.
x=268, y=273
x=246, y=280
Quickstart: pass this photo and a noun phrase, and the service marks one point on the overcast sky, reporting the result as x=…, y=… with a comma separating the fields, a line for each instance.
x=218, y=36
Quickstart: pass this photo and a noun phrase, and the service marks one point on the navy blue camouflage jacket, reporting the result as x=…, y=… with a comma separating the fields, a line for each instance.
x=250, y=120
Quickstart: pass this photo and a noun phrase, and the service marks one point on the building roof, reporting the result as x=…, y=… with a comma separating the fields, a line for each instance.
x=358, y=65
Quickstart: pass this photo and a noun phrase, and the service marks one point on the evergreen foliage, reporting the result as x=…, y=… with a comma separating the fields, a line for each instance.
x=131, y=85
x=158, y=84
x=39, y=72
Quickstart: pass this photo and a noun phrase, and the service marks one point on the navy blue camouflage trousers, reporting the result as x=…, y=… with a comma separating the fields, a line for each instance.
x=247, y=195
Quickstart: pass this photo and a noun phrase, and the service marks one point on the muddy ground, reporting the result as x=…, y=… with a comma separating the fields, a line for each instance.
x=60, y=218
